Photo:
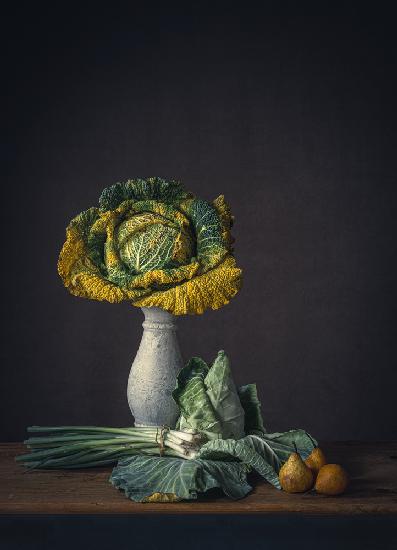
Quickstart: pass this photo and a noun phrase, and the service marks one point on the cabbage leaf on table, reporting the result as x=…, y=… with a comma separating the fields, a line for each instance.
x=151, y=479
x=237, y=441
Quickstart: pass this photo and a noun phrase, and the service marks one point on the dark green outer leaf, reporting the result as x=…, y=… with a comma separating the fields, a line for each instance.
x=252, y=408
x=250, y=450
x=283, y=443
x=195, y=367
x=140, y=189
x=207, y=223
x=140, y=477
x=264, y=453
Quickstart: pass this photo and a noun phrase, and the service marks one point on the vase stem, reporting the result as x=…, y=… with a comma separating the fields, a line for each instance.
x=154, y=370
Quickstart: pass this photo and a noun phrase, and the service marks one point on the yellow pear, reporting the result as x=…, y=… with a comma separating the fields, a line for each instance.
x=332, y=479
x=295, y=476
x=315, y=461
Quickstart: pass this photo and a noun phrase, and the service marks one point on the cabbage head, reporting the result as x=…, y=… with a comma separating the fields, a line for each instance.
x=152, y=243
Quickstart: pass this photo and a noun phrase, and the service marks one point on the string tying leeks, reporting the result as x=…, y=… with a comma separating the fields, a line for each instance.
x=87, y=446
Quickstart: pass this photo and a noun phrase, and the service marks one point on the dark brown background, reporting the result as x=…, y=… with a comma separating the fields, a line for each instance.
x=293, y=118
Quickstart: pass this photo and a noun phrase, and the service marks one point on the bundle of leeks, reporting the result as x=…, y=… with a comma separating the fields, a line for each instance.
x=87, y=446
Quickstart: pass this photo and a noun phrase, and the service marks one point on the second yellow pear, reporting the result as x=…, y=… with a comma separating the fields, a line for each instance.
x=315, y=461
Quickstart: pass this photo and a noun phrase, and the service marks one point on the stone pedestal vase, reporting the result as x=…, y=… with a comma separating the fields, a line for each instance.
x=154, y=370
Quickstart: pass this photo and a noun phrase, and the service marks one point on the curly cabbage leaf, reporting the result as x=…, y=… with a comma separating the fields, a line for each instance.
x=152, y=243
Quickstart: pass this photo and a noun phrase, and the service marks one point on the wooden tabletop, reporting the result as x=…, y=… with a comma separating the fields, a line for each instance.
x=373, y=489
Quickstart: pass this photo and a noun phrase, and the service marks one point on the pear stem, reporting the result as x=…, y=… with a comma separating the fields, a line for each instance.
x=296, y=448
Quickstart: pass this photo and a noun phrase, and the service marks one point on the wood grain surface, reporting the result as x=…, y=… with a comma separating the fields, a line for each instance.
x=373, y=489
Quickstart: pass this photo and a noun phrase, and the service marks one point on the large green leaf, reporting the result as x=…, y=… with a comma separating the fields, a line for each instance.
x=265, y=453
x=224, y=398
x=208, y=399
x=252, y=408
x=283, y=443
x=191, y=396
x=250, y=450
x=141, y=477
